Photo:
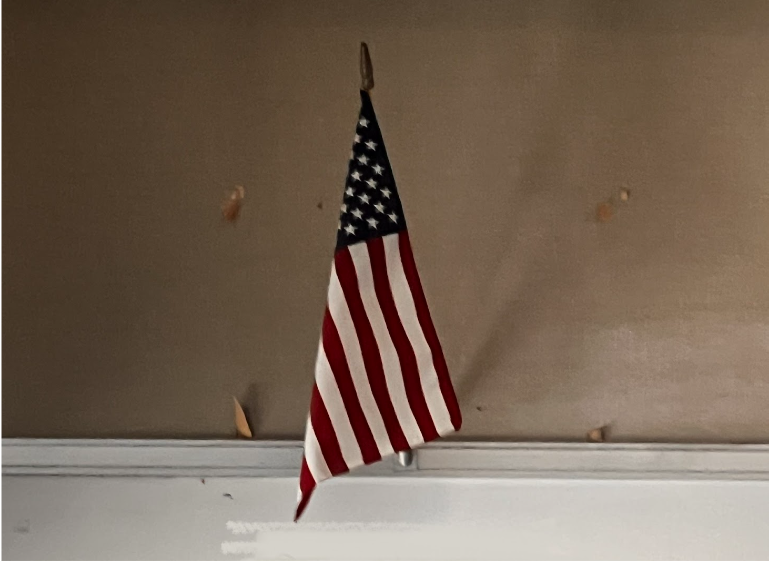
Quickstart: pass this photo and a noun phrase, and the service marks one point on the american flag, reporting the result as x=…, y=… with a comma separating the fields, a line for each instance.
x=381, y=385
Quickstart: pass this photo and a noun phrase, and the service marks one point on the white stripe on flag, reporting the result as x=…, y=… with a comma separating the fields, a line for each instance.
x=403, y=298
x=314, y=458
x=389, y=358
x=333, y=401
x=341, y=317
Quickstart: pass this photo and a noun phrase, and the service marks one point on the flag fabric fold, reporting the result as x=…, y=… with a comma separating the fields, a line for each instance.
x=381, y=382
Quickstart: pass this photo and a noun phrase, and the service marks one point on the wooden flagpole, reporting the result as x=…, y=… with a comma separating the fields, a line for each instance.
x=405, y=458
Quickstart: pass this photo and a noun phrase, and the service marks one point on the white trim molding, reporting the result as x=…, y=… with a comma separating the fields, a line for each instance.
x=225, y=500
x=212, y=458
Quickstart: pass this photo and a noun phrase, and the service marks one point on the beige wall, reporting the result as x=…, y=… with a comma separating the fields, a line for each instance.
x=130, y=309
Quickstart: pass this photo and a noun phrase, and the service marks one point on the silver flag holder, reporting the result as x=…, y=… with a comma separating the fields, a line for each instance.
x=405, y=458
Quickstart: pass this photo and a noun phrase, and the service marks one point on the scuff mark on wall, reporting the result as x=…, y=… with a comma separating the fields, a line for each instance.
x=231, y=207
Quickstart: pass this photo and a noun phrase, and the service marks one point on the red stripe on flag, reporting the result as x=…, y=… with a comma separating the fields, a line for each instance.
x=325, y=435
x=307, y=485
x=336, y=357
x=407, y=360
x=425, y=319
x=344, y=265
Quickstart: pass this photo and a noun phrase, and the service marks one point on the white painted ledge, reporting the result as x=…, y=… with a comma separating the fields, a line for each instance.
x=170, y=458
x=226, y=500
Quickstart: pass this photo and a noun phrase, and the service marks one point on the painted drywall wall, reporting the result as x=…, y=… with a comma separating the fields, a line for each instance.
x=86, y=518
x=130, y=309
